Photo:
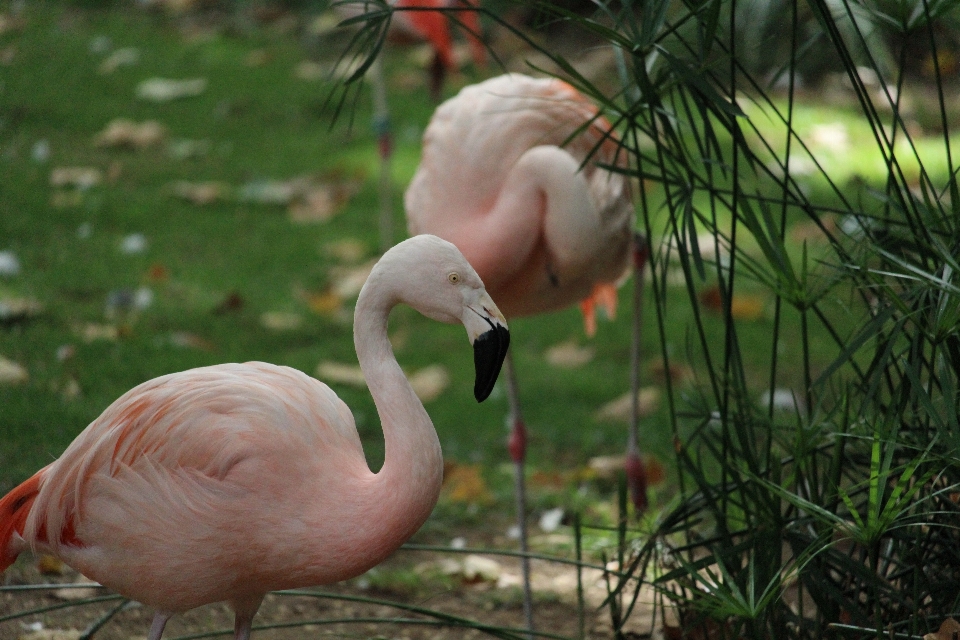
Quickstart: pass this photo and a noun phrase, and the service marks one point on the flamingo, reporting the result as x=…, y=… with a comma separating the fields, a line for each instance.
x=256, y=469
x=513, y=173
x=412, y=21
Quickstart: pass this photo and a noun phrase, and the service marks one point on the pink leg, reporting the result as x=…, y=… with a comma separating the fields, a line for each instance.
x=159, y=622
x=518, y=452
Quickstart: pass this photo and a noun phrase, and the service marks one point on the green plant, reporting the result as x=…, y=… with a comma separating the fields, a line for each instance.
x=837, y=516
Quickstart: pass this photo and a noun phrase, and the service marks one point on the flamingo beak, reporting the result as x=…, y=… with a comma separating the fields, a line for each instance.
x=490, y=336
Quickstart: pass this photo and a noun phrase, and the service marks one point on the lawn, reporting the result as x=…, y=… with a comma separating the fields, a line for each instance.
x=232, y=231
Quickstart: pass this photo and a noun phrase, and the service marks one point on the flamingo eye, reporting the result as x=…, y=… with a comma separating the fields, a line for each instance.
x=453, y=277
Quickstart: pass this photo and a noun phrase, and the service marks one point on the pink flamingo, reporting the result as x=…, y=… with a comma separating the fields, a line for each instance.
x=256, y=469
x=513, y=173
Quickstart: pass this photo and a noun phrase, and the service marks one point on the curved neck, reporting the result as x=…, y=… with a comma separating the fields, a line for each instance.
x=405, y=490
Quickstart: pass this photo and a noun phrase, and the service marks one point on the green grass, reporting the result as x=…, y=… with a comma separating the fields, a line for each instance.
x=261, y=123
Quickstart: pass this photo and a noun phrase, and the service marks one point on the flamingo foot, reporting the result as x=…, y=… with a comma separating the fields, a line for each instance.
x=604, y=295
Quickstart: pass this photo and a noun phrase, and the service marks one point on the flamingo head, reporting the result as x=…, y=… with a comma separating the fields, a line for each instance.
x=449, y=290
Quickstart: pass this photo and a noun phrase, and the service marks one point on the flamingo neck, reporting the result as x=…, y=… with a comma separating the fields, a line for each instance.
x=405, y=490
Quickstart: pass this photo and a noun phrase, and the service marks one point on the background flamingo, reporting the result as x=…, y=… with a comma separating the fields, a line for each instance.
x=417, y=21
x=256, y=469
x=501, y=178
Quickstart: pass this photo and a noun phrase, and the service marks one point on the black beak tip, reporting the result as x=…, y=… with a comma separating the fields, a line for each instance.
x=489, y=351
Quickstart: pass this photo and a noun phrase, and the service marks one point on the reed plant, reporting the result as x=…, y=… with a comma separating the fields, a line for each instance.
x=835, y=513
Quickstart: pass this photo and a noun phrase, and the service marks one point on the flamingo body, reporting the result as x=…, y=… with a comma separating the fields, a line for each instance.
x=223, y=483
x=501, y=178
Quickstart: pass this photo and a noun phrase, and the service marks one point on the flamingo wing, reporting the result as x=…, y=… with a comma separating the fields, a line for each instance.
x=208, y=463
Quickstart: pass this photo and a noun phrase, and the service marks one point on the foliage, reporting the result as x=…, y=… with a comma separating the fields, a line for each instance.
x=838, y=516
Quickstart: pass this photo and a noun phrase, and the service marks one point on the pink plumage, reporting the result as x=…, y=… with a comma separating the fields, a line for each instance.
x=223, y=483
x=504, y=175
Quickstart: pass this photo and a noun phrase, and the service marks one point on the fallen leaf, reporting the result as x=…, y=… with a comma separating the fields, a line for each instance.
x=678, y=373
x=92, y=332
x=319, y=204
x=551, y=519
x=15, y=310
x=133, y=244
x=9, y=264
x=167, y=89
x=187, y=340
x=618, y=410
x=233, y=302
x=346, y=250
x=608, y=467
x=277, y=192
x=80, y=590
x=569, y=355
x=49, y=565
x=480, y=569
x=428, y=383
x=742, y=307
x=465, y=483
x=127, y=134
x=200, y=193
x=158, y=273
x=310, y=71
x=78, y=177
x=12, y=373
x=281, y=320
x=340, y=373
x=184, y=149
x=327, y=303
x=347, y=281
x=949, y=630
x=123, y=57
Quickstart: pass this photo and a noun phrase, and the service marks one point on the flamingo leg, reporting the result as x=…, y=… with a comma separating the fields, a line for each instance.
x=244, y=610
x=159, y=622
x=518, y=452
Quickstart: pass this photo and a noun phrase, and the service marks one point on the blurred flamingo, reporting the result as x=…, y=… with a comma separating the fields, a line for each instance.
x=414, y=21
x=225, y=482
x=513, y=172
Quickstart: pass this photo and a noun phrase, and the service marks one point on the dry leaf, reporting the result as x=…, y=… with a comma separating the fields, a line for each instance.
x=569, y=355
x=123, y=57
x=428, y=383
x=281, y=320
x=200, y=193
x=9, y=264
x=13, y=310
x=618, y=410
x=77, y=177
x=480, y=569
x=948, y=630
x=166, y=89
x=127, y=134
x=79, y=593
x=12, y=373
x=608, y=467
x=92, y=331
x=347, y=282
x=465, y=483
x=319, y=204
x=340, y=373
x=742, y=307
x=346, y=250
x=327, y=303
x=49, y=565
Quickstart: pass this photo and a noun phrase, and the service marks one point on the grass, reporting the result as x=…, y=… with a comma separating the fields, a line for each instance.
x=264, y=123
